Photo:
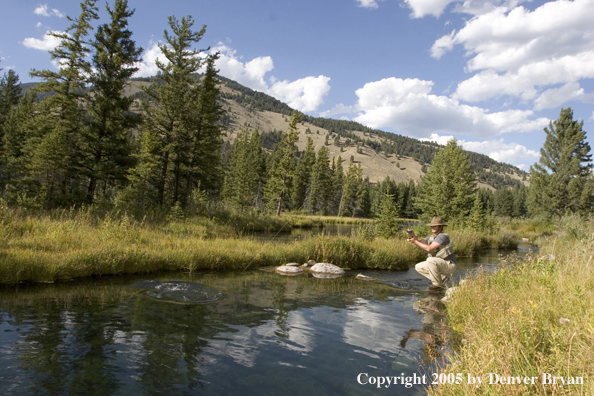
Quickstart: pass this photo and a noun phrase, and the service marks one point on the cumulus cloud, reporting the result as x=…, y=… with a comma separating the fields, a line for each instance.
x=526, y=54
x=497, y=149
x=148, y=66
x=421, y=8
x=557, y=96
x=368, y=3
x=305, y=94
x=43, y=10
x=47, y=43
x=408, y=106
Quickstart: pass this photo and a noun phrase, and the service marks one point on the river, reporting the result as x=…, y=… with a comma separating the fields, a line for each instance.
x=254, y=333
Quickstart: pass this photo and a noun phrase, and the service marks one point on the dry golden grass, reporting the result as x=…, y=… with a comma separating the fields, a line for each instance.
x=531, y=318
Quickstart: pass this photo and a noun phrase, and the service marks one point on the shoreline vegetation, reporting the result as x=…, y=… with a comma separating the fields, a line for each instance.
x=531, y=318
x=72, y=244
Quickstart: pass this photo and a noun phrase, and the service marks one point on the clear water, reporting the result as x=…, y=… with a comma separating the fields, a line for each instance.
x=257, y=333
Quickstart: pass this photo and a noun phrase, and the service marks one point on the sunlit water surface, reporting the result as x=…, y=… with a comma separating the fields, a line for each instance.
x=250, y=333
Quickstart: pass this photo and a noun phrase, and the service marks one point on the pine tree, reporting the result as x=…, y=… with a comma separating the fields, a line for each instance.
x=448, y=189
x=504, y=203
x=337, y=185
x=303, y=172
x=173, y=118
x=386, y=225
x=559, y=179
x=60, y=118
x=204, y=168
x=106, y=148
x=242, y=178
x=353, y=192
x=476, y=218
x=282, y=168
x=320, y=195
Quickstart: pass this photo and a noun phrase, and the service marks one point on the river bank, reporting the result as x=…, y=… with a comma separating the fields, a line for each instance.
x=46, y=248
x=531, y=318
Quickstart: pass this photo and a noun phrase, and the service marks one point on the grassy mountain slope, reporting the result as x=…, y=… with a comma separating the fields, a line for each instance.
x=380, y=153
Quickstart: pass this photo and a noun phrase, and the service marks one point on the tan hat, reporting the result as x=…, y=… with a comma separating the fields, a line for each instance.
x=437, y=221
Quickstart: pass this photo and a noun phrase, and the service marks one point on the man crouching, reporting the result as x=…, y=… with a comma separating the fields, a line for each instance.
x=441, y=262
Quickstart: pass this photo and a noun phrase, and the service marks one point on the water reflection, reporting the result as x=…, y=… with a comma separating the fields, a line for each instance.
x=266, y=334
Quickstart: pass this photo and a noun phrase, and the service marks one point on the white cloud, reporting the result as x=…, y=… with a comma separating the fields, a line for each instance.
x=408, y=106
x=39, y=24
x=251, y=74
x=43, y=10
x=368, y=3
x=526, y=54
x=305, y=94
x=148, y=67
x=557, y=96
x=421, y=8
x=498, y=150
x=47, y=43
x=525, y=81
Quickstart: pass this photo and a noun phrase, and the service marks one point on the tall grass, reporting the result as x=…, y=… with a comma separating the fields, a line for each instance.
x=70, y=244
x=532, y=317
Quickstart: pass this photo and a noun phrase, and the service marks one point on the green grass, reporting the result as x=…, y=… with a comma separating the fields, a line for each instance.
x=533, y=316
x=74, y=244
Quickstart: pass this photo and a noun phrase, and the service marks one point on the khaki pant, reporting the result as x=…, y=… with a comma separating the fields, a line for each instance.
x=435, y=269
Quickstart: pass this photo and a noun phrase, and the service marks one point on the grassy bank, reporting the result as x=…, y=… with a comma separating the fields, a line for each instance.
x=73, y=245
x=65, y=245
x=533, y=317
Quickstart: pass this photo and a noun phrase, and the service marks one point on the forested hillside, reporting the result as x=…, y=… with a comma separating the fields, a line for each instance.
x=489, y=171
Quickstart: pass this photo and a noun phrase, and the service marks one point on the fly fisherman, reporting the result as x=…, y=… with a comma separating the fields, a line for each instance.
x=441, y=262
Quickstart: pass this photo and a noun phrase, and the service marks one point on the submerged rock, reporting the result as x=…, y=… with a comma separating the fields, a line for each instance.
x=325, y=268
x=288, y=270
x=179, y=291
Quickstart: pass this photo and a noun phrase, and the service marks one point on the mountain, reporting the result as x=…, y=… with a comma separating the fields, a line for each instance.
x=380, y=153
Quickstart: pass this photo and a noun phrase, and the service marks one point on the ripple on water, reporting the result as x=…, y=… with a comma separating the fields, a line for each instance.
x=179, y=291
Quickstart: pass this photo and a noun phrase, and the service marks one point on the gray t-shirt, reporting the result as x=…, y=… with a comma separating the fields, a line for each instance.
x=443, y=240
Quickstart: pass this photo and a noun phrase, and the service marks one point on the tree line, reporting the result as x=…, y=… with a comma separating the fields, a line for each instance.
x=81, y=143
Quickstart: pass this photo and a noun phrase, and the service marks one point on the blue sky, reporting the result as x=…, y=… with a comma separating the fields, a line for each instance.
x=491, y=73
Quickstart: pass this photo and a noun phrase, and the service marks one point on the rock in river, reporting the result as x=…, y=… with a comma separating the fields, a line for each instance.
x=325, y=268
x=288, y=270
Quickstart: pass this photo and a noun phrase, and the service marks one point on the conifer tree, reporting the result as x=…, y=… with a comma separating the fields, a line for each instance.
x=410, y=211
x=16, y=132
x=204, y=167
x=386, y=225
x=175, y=97
x=320, y=194
x=504, y=203
x=353, y=191
x=303, y=173
x=337, y=185
x=476, y=218
x=60, y=118
x=242, y=178
x=448, y=189
x=282, y=168
x=105, y=147
x=558, y=181
x=140, y=194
